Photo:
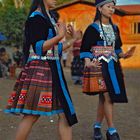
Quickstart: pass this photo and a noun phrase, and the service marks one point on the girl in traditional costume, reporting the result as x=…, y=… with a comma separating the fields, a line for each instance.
x=101, y=49
x=41, y=89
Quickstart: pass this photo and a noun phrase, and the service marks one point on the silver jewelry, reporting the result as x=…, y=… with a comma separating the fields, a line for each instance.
x=107, y=34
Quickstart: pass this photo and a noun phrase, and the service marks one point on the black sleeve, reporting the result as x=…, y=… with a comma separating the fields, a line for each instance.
x=38, y=29
x=38, y=33
x=89, y=40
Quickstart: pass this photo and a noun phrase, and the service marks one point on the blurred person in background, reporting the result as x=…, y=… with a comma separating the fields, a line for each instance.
x=77, y=64
x=17, y=56
x=5, y=61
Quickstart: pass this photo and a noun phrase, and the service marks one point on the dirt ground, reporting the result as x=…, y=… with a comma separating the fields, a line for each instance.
x=126, y=116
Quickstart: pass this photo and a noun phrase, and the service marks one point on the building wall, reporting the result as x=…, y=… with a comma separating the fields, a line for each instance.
x=133, y=62
x=127, y=30
x=130, y=39
x=81, y=15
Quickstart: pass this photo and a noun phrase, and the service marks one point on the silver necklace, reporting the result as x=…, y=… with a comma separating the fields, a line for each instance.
x=107, y=34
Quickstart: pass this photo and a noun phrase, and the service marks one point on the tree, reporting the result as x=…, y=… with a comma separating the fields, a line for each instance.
x=12, y=23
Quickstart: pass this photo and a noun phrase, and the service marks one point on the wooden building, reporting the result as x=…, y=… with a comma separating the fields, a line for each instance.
x=80, y=14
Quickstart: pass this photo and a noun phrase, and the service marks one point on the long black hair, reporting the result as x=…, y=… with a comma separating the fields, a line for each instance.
x=26, y=43
x=98, y=18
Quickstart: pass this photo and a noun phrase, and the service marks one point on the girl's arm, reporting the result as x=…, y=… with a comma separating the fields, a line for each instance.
x=61, y=28
x=127, y=54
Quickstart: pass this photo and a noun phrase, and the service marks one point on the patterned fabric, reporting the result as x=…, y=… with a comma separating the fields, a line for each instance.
x=52, y=54
x=93, y=81
x=76, y=48
x=102, y=2
x=77, y=66
x=33, y=91
x=104, y=53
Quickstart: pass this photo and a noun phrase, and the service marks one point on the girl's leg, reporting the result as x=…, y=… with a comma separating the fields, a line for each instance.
x=25, y=126
x=100, y=116
x=100, y=109
x=108, y=110
x=65, y=131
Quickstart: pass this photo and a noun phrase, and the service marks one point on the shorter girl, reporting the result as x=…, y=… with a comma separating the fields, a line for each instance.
x=101, y=47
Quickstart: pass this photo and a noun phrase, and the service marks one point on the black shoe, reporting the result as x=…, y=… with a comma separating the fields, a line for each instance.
x=114, y=136
x=97, y=134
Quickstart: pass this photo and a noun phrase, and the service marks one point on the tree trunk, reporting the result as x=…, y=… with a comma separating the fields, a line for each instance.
x=21, y=3
x=18, y=3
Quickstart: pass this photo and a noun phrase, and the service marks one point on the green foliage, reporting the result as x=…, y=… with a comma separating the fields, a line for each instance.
x=8, y=2
x=12, y=24
x=12, y=20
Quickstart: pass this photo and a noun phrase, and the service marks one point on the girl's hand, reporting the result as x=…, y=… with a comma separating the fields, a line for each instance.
x=71, y=31
x=129, y=53
x=61, y=28
x=93, y=63
x=96, y=63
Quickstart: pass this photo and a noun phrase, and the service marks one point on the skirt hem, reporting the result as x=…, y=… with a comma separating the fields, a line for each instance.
x=32, y=112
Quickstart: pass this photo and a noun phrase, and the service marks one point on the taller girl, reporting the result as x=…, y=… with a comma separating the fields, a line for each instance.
x=41, y=88
x=101, y=46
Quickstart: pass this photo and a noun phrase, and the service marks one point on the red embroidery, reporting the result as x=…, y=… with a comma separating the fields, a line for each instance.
x=22, y=96
x=45, y=99
x=12, y=98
